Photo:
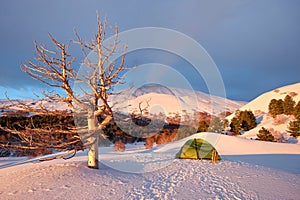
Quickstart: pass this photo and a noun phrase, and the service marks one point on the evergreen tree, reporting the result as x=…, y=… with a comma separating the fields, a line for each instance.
x=288, y=105
x=225, y=123
x=297, y=111
x=280, y=106
x=294, y=128
x=265, y=135
x=203, y=126
x=216, y=125
x=243, y=120
x=248, y=120
x=276, y=107
x=235, y=125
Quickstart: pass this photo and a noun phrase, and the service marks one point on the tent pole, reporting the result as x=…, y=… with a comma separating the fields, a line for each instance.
x=196, y=147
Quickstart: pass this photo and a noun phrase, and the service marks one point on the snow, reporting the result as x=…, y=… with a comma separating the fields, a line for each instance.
x=259, y=106
x=249, y=169
x=176, y=100
x=261, y=103
x=35, y=104
x=167, y=101
x=268, y=123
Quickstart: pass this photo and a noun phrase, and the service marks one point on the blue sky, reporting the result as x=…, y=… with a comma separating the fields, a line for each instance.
x=255, y=44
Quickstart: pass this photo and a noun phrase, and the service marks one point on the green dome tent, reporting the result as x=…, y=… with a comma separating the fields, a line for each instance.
x=198, y=149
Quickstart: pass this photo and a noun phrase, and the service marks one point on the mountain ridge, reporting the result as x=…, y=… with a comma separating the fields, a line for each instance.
x=160, y=99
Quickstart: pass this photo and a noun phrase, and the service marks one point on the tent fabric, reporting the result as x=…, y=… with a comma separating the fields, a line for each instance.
x=198, y=149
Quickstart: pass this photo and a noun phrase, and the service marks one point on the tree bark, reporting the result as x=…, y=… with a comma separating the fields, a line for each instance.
x=93, y=149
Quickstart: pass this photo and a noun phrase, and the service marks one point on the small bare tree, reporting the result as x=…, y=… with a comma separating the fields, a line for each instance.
x=95, y=80
x=140, y=116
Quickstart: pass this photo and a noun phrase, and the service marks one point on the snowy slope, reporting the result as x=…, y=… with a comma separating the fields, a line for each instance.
x=269, y=123
x=58, y=106
x=175, y=100
x=259, y=106
x=261, y=102
x=242, y=174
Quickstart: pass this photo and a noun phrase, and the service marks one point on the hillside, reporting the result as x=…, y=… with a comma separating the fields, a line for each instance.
x=259, y=106
x=176, y=100
x=248, y=170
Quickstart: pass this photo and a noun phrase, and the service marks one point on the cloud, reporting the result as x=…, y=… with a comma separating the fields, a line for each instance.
x=254, y=43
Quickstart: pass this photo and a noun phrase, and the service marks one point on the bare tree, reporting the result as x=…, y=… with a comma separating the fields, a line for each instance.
x=95, y=79
x=140, y=115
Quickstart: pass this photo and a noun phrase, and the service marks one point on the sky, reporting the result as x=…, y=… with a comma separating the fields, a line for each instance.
x=254, y=44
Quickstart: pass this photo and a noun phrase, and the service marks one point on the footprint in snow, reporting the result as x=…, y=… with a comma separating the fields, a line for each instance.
x=66, y=187
x=12, y=193
x=31, y=190
x=48, y=189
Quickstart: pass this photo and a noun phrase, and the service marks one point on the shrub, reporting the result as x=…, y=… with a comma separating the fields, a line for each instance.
x=278, y=136
x=4, y=152
x=280, y=119
x=293, y=94
x=149, y=142
x=119, y=146
x=265, y=135
x=294, y=128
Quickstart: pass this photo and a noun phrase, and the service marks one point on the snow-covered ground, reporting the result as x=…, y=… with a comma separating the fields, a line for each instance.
x=249, y=169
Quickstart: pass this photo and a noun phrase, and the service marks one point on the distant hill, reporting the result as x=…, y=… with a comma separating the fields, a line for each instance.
x=5, y=104
x=177, y=100
x=261, y=102
x=159, y=98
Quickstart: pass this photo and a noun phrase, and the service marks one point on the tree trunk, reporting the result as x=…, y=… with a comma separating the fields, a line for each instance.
x=93, y=150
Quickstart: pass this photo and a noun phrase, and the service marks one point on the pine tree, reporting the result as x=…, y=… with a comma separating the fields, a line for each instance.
x=294, y=128
x=243, y=120
x=235, y=125
x=216, y=125
x=276, y=107
x=280, y=106
x=297, y=111
x=248, y=120
x=265, y=135
x=225, y=124
x=288, y=105
x=203, y=126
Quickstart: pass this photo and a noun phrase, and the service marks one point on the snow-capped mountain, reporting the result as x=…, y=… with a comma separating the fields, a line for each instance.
x=259, y=106
x=176, y=100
